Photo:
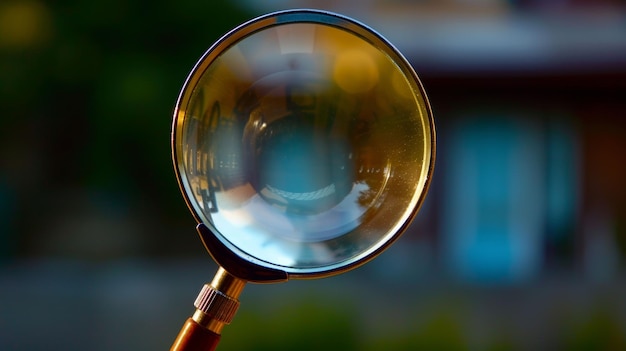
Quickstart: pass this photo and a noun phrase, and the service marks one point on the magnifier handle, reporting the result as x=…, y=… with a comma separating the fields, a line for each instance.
x=194, y=337
x=216, y=306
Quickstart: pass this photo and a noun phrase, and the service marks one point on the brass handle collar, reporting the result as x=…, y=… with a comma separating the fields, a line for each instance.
x=216, y=305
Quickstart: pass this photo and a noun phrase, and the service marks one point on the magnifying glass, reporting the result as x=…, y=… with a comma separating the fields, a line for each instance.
x=304, y=144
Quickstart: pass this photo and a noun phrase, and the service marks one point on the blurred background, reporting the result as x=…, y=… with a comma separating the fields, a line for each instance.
x=519, y=246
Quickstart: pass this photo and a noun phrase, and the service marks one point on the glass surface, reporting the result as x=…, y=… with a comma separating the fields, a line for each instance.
x=304, y=145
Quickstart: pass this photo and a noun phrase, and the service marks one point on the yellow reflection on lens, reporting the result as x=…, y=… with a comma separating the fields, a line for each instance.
x=355, y=71
x=400, y=84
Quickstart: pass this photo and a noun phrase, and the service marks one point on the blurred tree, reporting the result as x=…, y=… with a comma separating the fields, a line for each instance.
x=87, y=91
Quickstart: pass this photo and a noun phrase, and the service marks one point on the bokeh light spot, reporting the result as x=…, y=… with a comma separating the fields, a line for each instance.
x=24, y=24
x=355, y=71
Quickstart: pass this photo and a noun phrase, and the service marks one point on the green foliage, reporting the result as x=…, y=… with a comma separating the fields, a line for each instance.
x=601, y=330
x=306, y=324
x=442, y=332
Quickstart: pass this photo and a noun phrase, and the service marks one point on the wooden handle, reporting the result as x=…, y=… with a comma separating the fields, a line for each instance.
x=194, y=337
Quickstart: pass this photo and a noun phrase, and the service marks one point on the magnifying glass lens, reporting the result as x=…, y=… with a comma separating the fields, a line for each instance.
x=304, y=145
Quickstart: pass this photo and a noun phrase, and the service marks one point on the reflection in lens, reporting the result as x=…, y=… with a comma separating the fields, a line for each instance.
x=304, y=145
x=355, y=71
